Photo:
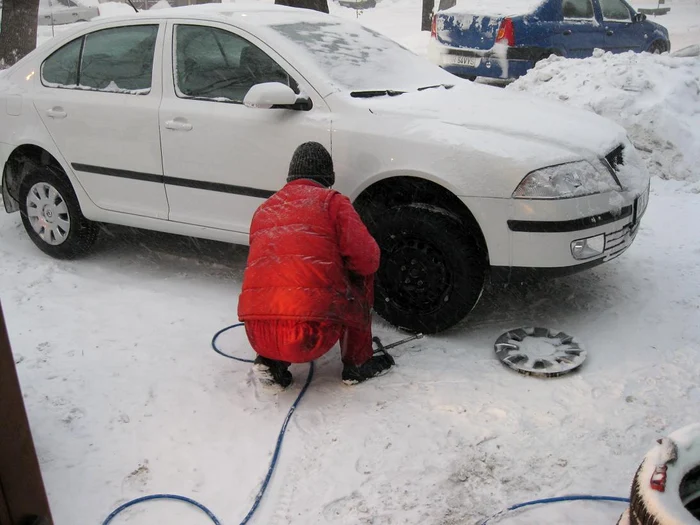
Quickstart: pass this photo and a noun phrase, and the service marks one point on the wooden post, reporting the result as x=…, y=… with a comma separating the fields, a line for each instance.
x=23, y=498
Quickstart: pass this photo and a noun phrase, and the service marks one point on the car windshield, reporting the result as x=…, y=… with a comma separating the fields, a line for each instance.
x=358, y=59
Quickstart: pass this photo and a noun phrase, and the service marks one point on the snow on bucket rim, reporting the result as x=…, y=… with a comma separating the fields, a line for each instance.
x=668, y=504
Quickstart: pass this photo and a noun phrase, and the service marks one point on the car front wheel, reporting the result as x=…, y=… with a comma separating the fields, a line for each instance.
x=658, y=47
x=51, y=215
x=432, y=271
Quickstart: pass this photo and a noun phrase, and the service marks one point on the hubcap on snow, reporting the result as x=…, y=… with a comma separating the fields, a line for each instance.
x=415, y=276
x=48, y=213
x=539, y=351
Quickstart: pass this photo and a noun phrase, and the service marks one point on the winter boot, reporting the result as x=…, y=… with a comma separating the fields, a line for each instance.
x=378, y=365
x=270, y=372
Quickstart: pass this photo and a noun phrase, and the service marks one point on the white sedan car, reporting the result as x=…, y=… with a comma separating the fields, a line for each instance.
x=184, y=121
x=59, y=12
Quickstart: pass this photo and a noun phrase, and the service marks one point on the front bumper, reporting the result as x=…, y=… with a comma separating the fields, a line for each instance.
x=540, y=247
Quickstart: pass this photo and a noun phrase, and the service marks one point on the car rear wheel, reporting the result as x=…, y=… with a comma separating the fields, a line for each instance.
x=432, y=271
x=51, y=215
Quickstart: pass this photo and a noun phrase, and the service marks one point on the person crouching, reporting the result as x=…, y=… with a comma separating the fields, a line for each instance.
x=309, y=281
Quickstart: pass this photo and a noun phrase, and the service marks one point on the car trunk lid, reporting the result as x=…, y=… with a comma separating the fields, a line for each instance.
x=475, y=24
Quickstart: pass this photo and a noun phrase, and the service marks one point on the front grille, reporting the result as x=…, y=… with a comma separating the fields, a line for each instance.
x=615, y=158
x=618, y=241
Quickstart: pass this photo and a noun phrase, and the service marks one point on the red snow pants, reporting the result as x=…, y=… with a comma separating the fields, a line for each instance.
x=295, y=341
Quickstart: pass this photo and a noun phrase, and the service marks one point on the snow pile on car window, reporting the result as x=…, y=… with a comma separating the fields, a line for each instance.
x=655, y=97
x=495, y=7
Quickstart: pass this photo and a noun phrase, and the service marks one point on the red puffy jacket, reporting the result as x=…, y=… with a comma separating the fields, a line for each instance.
x=304, y=242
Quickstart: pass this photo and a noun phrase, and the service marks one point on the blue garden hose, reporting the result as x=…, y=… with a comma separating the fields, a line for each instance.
x=275, y=458
x=580, y=497
x=175, y=497
x=270, y=470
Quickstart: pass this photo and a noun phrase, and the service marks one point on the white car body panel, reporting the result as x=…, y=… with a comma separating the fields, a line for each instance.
x=477, y=142
x=110, y=130
x=229, y=145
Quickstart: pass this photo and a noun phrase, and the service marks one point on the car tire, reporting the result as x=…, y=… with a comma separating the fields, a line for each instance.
x=432, y=271
x=52, y=217
x=679, y=502
x=657, y=47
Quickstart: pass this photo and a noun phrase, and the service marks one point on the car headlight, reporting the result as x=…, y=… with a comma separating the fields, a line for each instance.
x=573, y=179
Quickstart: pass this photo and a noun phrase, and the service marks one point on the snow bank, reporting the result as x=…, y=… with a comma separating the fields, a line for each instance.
x=162, y=4
x=655, y=97
x=108, y=9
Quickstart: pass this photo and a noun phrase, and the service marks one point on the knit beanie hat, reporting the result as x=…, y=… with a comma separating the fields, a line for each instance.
x=312, y=161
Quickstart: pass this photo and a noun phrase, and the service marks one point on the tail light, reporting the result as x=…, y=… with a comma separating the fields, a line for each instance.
x=506, y=33
x=433, y=27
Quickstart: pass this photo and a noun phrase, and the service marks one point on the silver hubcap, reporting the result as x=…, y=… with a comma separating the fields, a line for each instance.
x=48, y=213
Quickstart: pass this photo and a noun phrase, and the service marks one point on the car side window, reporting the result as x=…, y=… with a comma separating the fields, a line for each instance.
x=615, y=10
x=577, y=9
x=118, y=60
x=61, y=68
x=213, y=64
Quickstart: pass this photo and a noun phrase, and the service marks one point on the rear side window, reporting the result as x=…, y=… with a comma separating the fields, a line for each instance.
x=61, y=68
x=116, y=60
x=213, y=64
x=615, y=10
x=577, y=9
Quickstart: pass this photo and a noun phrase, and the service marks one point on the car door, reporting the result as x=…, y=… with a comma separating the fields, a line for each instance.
x=621, y=32
x=99, y=98
x=579, y=31
x=222, y=159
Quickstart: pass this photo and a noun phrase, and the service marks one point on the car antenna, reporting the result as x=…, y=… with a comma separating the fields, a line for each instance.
x=132, y=5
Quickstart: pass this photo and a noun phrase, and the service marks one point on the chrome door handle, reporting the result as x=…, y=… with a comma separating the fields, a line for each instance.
x=178, y=124
x=57, y=113
x=610, y=32
x=566, y=32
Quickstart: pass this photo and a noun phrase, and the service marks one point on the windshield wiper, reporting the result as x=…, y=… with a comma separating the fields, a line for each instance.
x=446, y=86
x=376, y=93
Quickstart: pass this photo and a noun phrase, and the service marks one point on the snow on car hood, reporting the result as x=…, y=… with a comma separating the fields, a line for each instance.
x=487, y=108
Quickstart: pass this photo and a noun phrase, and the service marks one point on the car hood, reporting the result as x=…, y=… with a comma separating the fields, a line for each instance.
x=491, y=109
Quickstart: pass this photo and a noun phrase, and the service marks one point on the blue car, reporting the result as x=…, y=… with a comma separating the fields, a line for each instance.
x=505, y=38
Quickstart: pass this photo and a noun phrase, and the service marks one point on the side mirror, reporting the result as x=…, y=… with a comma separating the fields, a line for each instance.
x=272, y=95
x=640, y=17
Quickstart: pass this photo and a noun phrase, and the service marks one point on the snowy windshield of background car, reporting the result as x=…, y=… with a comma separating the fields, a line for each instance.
x=356, y=58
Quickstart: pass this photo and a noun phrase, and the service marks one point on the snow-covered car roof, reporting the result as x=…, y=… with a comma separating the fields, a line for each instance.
x=495, y=7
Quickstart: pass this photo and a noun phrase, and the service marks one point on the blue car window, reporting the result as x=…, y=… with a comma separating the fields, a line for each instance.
x=615, y=10
x=577, y=9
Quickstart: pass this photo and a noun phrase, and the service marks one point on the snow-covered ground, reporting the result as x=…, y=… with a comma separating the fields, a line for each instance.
x=126, y=398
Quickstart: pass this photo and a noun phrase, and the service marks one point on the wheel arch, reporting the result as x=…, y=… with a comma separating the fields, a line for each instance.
x=21, y=161
x=659, y=40
x=402, y=189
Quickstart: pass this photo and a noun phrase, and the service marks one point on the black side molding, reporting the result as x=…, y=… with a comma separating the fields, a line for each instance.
x=573, y=225
x=175, y=181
